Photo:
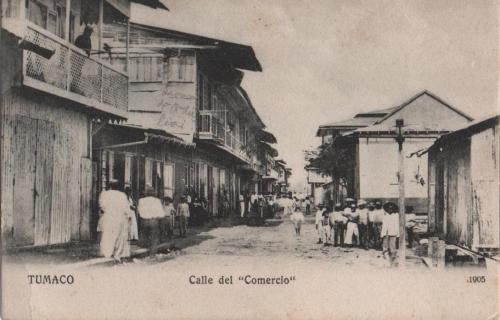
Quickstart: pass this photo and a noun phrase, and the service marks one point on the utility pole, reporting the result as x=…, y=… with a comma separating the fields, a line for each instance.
x=401, y=203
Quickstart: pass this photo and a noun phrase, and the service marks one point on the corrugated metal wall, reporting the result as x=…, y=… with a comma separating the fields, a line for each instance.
x=41, y=195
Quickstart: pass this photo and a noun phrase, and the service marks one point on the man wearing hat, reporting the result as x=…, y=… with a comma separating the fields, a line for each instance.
x=352, y=225
x=390, y=231
x=363, y=224
x=319, y=223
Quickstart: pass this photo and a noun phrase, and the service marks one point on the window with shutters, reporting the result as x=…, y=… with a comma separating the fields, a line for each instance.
x=181, y=69
x=146, y=69
x=168, y=179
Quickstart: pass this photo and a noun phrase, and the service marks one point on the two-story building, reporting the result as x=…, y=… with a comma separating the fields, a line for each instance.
x=191, y=127
x=53, y=95
x=365, y=149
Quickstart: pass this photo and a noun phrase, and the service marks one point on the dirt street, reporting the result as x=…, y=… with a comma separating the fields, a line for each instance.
x=225, y=269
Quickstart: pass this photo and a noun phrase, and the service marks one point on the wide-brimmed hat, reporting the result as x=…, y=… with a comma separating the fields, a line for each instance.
x=371, y=205
x=361, y=202
x=113, y=181
x=391, y=207
x=338, y=205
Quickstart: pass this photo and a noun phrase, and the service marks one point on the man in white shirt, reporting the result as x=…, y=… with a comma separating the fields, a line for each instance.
x=318, y=222
x=183, y=214
x=363, y=224
x=151, y=212
x=242, y=205
x=378, y=216
x=338, y=223
x=390, y=231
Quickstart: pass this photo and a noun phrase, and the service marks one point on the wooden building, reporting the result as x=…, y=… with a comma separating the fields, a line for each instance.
x=186, y=89
x=370, y=169
x=464, y=186
x=52, y=93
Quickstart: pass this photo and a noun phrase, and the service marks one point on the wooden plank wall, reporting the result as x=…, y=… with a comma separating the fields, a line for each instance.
x=485, y=188
x=69, y=146
x=458, y=201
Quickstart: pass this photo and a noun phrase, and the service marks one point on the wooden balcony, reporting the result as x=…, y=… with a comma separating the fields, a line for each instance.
x=68, y=72
x=211, y=127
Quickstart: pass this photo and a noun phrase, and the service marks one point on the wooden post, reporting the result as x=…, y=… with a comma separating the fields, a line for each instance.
x=401, y=201
x=66, y=37
x=127, y=49
x=68, y=18
x=101, y=22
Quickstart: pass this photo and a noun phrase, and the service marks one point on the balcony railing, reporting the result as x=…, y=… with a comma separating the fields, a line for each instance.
x=71, y=74
x=211, y=126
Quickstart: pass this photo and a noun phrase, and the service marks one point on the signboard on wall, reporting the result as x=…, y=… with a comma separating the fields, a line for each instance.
x=178, y=110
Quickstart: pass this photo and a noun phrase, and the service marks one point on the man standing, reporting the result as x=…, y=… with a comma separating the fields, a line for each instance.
x=378, y=216
x=168, y=224
x=151, y=212
x=363, y=224
x=114, y=222
x=318, y=222
x=371, y=232
x=242, y=205
x=183, y=214
x=390, y=231
x=352, y=225
x=338, y=223
x=308, y=206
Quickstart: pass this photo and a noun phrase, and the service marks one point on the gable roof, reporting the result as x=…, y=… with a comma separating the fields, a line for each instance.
x=409, y=101
x=360, y=120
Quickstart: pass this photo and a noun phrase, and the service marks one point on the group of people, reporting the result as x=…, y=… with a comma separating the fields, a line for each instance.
x=257, y=205
x=118, y=223
x=367, y=225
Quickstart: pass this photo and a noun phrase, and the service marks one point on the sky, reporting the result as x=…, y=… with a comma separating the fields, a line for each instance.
x=326, y=60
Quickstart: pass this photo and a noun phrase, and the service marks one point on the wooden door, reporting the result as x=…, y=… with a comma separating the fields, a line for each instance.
x=24, y=151
x=43, y=180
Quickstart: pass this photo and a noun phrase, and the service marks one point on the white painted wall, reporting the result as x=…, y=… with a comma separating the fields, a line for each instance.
x=378, y=159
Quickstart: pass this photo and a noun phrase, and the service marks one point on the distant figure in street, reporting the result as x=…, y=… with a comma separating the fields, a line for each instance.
x=325, y=226
x=297, y=218
x=318, y=222
x=242, y=205
x=183, y=215
x=363, y=224
x=151, y=212
x=378, y=216
x=114, y=222
x=133, y=229
x=289, y=205
x=168, y=223
x=371, y=225
x=390, y=231
x=308, y=206
x=338, y=223
x=352, y=225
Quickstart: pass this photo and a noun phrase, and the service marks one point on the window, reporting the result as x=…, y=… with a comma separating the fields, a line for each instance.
x=181, y=69
x=111, y=166
x=38, y=13
x=168, y=179
x=146, y=69
x=222, y=177
x=128, y=170
x=148, y=171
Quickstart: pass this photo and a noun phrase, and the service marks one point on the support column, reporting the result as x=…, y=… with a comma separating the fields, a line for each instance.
x=401, y=201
